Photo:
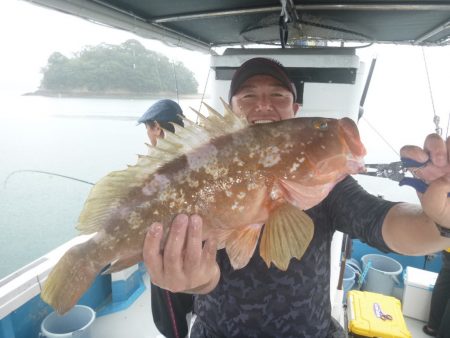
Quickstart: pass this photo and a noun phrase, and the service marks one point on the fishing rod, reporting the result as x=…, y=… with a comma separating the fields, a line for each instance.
x=46, y=173
x=366, y=87
x=346, y=248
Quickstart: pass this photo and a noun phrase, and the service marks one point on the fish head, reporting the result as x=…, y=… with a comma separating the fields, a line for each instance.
x=330, y=145
x=312, y=156
x=313, y=148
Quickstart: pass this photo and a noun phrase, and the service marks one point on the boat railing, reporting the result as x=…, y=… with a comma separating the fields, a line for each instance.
x=25, y=283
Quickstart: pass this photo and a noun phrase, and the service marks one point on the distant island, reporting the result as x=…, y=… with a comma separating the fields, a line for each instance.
x=125, y=70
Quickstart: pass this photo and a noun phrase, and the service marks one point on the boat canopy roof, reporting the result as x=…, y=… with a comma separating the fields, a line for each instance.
x=204, y=25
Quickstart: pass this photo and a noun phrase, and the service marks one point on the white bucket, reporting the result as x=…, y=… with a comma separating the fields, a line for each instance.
x=75, y=323
x=383, y=273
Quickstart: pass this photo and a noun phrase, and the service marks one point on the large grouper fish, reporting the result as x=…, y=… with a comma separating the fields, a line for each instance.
x=245, y=181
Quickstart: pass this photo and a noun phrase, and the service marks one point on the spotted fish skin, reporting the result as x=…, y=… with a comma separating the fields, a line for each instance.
x=232, y=180
x=236, y=181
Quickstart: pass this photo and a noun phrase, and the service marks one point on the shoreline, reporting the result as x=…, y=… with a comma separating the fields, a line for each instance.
x=119, y=95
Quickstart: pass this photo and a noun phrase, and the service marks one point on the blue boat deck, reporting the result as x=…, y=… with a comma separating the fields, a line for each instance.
x=135, y=321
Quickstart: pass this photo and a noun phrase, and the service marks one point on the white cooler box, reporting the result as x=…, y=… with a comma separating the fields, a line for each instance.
x=417, y=292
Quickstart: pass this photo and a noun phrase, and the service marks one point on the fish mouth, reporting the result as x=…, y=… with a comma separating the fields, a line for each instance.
x=351, y=136
x=356, y=165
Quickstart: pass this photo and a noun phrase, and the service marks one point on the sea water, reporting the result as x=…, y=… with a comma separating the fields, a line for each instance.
x=81, y=138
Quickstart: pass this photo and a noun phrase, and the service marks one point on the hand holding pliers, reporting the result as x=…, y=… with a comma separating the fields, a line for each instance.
x=398, y=171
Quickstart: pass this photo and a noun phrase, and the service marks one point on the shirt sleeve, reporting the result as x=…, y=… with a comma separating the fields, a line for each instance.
x=357, y=213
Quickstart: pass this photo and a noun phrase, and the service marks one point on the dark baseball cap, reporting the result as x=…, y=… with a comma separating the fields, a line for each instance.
x=164, y=112
x=260, y=66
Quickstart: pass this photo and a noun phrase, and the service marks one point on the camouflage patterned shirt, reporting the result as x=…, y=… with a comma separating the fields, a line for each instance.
x=259, y=302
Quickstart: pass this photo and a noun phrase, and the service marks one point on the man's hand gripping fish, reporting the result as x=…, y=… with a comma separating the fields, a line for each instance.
x=235, y=176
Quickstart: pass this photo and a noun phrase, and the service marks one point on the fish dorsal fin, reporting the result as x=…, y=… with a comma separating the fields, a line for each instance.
x=194, y=135
x=287, y=234
x=240, y=244
x=215, y=124
x=106, y=196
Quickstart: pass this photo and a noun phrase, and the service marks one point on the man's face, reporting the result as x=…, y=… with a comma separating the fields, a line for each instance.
x=263, y=99
x=154, y=131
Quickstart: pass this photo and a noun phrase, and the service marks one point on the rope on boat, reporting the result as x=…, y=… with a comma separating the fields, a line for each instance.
x=46, y=173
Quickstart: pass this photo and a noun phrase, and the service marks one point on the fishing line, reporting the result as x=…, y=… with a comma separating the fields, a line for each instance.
x=176, y=80
x=204, y=88
x=43, y=172
x=362, y=101
x=381, y=136
x=204, y=92
x=448, y=122
x=436, y=118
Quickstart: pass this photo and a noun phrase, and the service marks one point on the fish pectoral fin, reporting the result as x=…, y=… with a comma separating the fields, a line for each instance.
x=287, y=234
x=241, y=244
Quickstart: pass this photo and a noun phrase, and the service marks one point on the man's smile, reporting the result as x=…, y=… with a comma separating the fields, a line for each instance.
x=262, y=121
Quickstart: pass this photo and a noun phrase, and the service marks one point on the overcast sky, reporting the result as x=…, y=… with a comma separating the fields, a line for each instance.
x=30, y=33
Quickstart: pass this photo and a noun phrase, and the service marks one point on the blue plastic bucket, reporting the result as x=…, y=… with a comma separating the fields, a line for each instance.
x=382, y=275
x=75, y=323
x=349, y=278
x=355, y=265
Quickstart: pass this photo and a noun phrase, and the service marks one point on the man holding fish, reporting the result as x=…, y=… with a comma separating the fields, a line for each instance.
x=293, y=301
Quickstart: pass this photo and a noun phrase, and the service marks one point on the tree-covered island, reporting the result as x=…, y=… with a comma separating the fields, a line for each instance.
x=128, y=69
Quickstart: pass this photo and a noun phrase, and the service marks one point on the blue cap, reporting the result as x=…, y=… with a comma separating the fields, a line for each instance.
x=163, y=111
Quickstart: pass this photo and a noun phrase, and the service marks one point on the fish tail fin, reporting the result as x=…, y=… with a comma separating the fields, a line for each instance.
x=69, y=279
x=287, y=234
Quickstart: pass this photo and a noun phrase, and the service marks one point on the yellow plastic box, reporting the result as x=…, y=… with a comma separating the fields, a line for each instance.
x=375, y=315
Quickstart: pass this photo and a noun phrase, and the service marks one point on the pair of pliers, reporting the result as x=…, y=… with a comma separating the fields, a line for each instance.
x=379, y=313
x=397, y=171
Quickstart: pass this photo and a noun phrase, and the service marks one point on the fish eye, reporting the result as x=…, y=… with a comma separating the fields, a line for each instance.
x=320, y=124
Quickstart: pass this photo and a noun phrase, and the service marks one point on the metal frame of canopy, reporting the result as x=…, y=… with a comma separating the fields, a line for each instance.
x=203, y=25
